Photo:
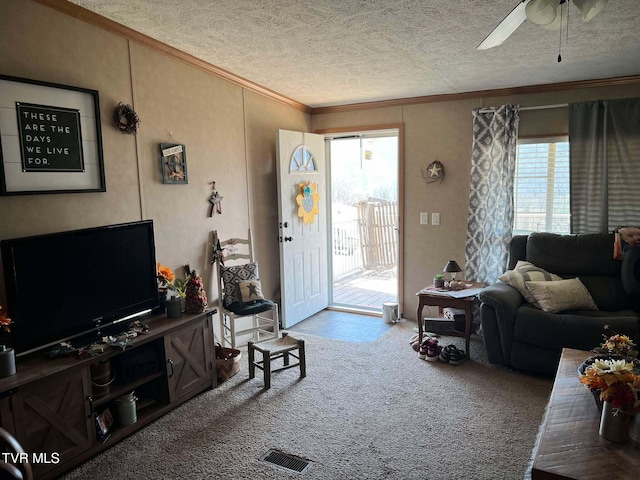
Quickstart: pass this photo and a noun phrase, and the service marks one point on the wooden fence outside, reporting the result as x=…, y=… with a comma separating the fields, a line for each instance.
x=378, y=223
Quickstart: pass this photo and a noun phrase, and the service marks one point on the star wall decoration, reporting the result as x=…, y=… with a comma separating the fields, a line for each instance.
x=433, y=173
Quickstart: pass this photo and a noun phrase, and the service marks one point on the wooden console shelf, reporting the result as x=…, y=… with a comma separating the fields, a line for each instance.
x=50, y=405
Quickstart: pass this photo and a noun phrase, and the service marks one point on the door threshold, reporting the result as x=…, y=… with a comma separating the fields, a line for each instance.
x=356, y=310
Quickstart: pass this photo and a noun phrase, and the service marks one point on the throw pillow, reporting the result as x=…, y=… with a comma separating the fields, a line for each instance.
x=233, y=275
x=249, y=291
x=527, y=272
x=560, y=295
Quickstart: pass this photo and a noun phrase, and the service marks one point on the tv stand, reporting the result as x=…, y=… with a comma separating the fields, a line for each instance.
x=51, y=405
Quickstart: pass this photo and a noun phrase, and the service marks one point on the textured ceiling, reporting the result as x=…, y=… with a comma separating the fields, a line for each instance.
x=333, y=52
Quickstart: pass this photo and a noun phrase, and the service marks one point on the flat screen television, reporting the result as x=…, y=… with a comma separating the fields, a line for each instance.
x=63, y=286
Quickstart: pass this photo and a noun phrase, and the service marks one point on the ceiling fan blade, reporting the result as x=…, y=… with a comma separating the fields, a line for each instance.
x=506, y=27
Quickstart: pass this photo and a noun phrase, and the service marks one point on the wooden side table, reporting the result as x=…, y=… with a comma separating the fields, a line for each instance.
x=455, y=299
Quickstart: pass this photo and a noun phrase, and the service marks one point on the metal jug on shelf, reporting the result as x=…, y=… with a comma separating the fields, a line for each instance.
x=127, y=409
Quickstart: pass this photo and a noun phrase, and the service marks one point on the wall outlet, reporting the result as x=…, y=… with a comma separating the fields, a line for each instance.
x=424, y=218
x=435, y=219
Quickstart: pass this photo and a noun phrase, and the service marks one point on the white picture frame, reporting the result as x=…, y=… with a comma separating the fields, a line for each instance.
x=50, y=138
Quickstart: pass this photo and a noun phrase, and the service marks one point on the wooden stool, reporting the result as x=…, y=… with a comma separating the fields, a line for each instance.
x=272, y=350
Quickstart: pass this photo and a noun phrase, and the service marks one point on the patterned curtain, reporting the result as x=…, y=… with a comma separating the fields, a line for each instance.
x=490, y=224
x=604, y=143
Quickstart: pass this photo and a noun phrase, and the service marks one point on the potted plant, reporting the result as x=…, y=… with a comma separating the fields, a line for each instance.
x=438, y=280
x=180, y=286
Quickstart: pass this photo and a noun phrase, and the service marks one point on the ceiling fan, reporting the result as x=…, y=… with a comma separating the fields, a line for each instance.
x=548, y=14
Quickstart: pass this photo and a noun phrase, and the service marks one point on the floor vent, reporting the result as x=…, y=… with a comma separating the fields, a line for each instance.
x=288, y=462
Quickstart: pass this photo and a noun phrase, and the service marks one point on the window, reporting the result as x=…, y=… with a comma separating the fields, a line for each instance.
x=541, y=189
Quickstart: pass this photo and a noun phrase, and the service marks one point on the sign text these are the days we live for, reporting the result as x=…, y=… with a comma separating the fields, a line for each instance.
x=50, y=138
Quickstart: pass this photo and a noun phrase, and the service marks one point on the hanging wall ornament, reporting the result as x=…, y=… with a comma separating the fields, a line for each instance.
x=433, y=173
x=307, y=201
x=125, y=119
x=214, y=200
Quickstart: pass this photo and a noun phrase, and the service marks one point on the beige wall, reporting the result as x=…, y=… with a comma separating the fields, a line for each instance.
x=443, y=131
x=229, y=135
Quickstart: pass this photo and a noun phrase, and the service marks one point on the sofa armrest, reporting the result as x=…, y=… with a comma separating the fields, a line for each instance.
x=630, y=273
x=497, y=315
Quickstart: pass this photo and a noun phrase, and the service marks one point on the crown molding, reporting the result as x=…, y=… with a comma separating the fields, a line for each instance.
x=500, y=92
x=104, y=23
x=92, y=18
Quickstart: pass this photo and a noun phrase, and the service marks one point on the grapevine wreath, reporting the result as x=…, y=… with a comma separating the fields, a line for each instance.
x=125, y=119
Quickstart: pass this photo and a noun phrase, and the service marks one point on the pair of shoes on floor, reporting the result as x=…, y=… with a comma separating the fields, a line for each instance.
x=452, y=355
x=429, y=350
x=415, y=342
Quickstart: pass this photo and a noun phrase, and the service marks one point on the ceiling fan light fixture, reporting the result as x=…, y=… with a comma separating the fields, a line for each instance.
x=561, y=21
x=590, y=8
x=542, y=12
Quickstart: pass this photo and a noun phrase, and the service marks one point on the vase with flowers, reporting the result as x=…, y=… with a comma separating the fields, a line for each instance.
x=617, y=344
x=618, y=386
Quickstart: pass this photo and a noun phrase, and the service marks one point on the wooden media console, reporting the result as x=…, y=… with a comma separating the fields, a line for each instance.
x=51, y=405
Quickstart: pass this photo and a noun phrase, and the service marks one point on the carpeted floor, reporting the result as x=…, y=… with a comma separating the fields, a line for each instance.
x=365, y=411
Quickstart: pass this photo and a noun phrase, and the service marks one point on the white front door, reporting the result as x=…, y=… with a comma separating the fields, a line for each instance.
x=303, y=225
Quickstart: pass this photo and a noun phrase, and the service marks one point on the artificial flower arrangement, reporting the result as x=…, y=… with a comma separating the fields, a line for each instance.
x=191, y=288
x=617, y=345
x=616, y=382
x=5, y=321
x=168, y=280
x=611, y=377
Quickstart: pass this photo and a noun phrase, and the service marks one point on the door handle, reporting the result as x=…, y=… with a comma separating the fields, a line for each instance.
x=288, y=239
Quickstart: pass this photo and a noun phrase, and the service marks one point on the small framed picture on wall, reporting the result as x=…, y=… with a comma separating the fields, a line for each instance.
x=174, y=163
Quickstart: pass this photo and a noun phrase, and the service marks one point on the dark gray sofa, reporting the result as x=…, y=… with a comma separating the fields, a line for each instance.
x=519, y=335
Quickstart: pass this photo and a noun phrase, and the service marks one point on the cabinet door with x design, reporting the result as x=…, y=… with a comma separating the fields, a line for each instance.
x=189, y=359
x=53, y=418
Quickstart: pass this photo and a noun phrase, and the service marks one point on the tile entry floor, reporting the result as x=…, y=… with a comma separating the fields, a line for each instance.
x=350, y=327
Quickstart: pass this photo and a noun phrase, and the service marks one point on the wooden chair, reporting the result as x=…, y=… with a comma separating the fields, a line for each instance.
x=21, y=468
x=232, y=307
x=272, y=350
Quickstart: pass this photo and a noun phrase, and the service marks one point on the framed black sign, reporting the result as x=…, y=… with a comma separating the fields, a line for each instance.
x=50, y=138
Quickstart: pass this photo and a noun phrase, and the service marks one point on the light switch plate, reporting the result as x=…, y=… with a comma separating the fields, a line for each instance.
x=424, y=218
x=435, y=219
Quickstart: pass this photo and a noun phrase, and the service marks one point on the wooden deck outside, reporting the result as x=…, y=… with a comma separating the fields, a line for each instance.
x=367, y=289
x=365, y=256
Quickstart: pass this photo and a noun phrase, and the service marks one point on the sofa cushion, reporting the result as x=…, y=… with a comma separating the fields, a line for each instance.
x=526, y=272
x=573, y=255
x=573, y=329
x=607, y=292
x=561, y=295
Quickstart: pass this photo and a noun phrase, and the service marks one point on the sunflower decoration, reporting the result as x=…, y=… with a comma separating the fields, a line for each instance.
x=307, y=201
x=165, y=276
x=5, y=321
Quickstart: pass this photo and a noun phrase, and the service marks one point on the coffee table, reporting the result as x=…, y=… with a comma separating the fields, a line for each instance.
x=569, y=445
